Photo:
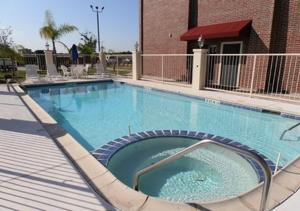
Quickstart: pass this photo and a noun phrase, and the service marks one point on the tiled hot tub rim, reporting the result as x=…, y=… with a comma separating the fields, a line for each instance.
x=108, y=150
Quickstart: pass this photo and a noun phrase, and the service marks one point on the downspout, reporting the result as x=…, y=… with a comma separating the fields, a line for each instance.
x=141, y=32
x=141, y=25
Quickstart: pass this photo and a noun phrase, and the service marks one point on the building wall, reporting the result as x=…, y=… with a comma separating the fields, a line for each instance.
x=293, y=38
x=275, y=29
x=163, y=23
x=286, y=39
x=293, y=46
x=162, y=18
x=286, y=30
x=220, y=11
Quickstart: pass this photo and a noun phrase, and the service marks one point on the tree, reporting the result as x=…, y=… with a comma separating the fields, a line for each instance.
x=22, y=50
x=6, y=44
x=89, y=43
x=65, y=46
x=50, y=31
x=8, y=52
x=5, y=37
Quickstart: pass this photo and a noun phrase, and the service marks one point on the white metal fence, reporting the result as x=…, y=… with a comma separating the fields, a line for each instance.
x=36, y=59
x=119, y=64
x=262, y=75
x=173, y=68
x=58, y=59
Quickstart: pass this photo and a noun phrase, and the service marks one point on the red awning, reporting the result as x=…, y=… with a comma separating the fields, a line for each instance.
x=216, y=31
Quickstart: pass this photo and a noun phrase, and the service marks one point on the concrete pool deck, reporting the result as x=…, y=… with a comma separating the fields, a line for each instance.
x=125, y=198
x=34, y=173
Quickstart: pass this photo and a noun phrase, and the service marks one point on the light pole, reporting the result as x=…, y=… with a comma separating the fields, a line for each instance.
x=47, y=46
x=97, y=11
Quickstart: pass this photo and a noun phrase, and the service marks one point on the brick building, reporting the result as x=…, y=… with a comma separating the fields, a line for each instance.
x=228, y=26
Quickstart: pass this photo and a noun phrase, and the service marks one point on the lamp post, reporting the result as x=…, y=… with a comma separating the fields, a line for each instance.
x=201, y=42
x=97, y=11
x=47, y=46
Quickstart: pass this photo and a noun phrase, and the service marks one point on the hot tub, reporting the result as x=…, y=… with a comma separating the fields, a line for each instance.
x=208, y=174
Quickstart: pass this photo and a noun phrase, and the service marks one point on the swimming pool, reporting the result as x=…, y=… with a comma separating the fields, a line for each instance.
x=96, y=113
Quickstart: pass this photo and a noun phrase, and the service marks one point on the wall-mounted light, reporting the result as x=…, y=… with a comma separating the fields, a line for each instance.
x=201, y=42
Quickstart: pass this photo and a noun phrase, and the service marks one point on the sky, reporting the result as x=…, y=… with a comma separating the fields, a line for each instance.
x=118, y=22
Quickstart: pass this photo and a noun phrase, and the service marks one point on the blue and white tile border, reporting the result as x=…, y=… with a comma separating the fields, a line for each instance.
x=291, y=116
x=107, y=151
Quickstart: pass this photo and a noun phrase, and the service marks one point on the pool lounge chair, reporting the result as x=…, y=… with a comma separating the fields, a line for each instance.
x=31, y=73
x=52, y=72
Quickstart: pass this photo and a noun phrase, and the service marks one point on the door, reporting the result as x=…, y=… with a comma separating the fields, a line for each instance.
x=210, y=78
x=230, y=65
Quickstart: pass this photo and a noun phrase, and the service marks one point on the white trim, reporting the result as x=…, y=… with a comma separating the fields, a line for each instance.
x=239, y=66
x=234, y=42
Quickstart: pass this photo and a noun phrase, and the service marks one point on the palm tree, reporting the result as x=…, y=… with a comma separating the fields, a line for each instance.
x=52, y=32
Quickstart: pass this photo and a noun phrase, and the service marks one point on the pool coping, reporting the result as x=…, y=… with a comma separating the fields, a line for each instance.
x=125, y=198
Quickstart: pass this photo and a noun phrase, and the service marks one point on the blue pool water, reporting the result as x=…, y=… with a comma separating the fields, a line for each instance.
x=207, y=174
x=96, y=113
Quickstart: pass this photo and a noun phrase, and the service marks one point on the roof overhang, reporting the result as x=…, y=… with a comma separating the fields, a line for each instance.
x=218, y=31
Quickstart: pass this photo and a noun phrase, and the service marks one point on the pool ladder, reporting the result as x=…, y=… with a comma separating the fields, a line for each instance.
x=291, y=128
x=262, y=163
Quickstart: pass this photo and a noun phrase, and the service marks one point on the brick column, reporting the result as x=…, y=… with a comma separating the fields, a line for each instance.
x=136, y=65
x=199, y=68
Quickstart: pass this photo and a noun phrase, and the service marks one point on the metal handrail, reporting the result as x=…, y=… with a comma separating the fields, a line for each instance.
x=262, y=163
x=291, y=128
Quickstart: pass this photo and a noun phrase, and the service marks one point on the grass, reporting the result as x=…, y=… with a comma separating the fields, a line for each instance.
x=18, y=75
x=124, y=71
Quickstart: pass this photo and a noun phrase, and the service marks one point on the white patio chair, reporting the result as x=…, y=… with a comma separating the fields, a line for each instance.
x=31, y=73
x=77, y=71
x=52, y=72
x=65, y=70
x=86, y=70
